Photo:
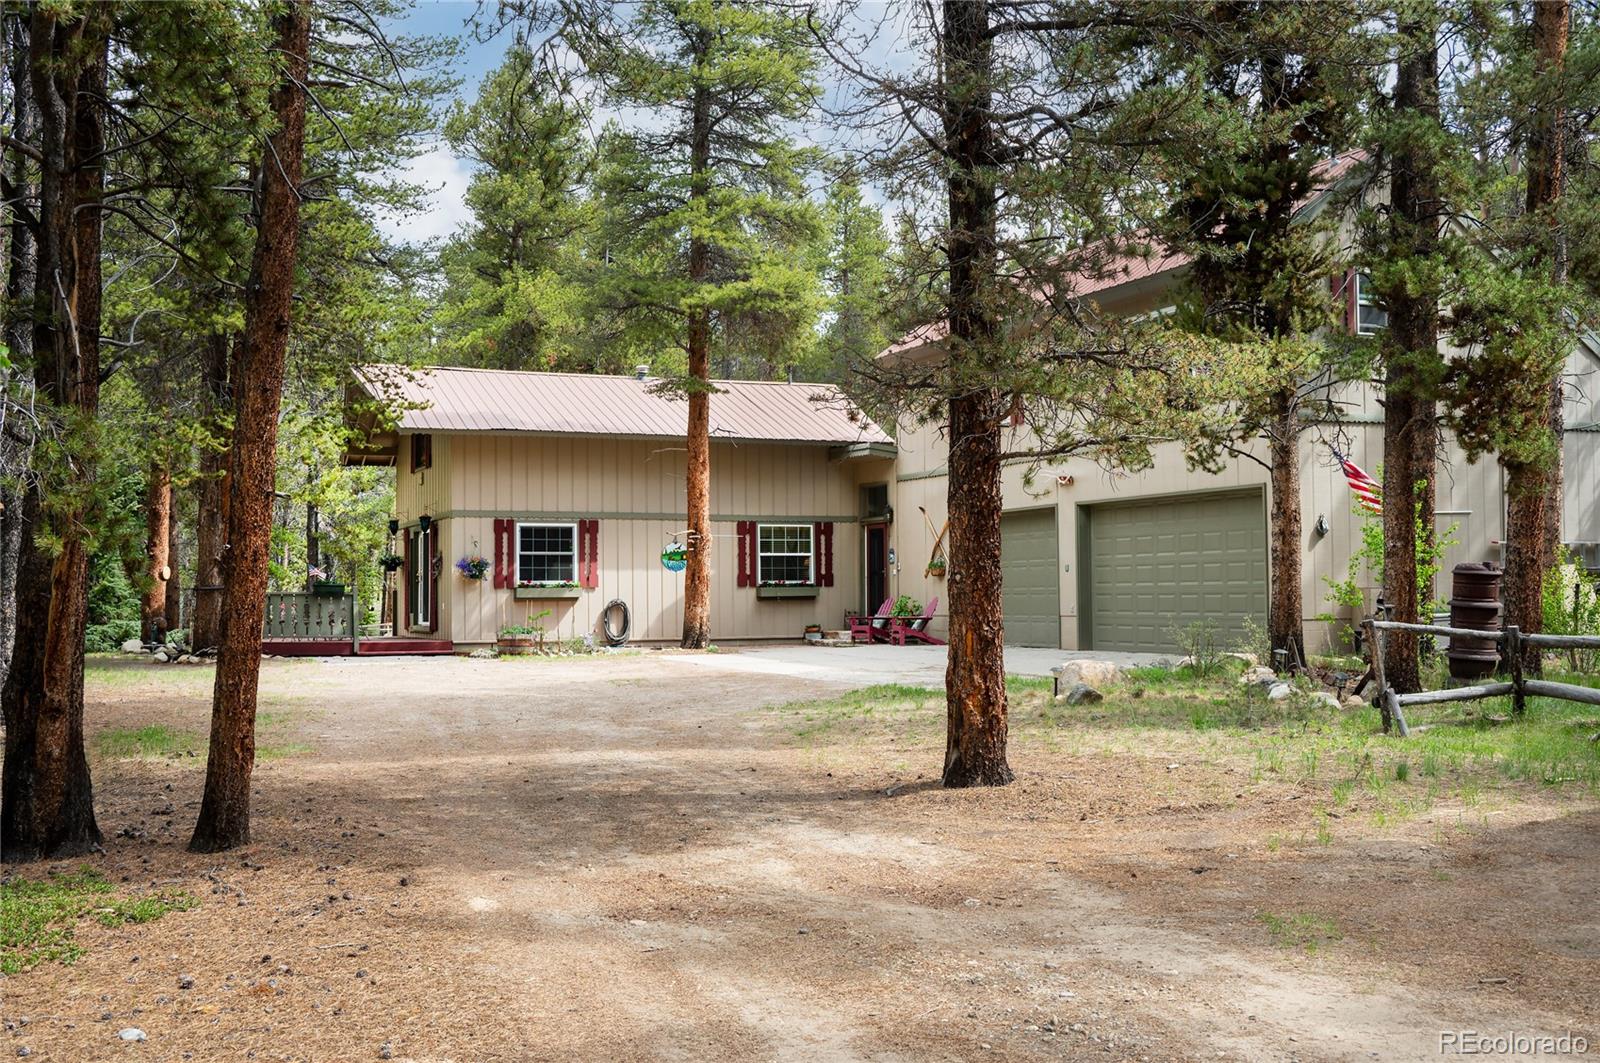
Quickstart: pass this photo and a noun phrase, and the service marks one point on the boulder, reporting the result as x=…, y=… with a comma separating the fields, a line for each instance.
x=1258, y=673
x=1082, y=694
x=1089, y=673
x=133, y=646
x=483, y=654
x=1354, y=701
x=1279, y=691
x=161, y=657
x=1249, y=660
x=1325, y=698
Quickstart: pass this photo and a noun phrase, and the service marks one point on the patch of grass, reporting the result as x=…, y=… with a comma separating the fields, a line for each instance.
x=1300, y=930
x=38, y=920
x=153, y=741
x=158, y=742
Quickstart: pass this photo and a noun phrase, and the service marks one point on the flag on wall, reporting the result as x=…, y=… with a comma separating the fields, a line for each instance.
x=1368, y=492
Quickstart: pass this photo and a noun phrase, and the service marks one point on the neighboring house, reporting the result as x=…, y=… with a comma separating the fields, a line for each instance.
x=1098, y=560
x=573, y=486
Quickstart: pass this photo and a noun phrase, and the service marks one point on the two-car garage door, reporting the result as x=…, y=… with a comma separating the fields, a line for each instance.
x=1154, y=565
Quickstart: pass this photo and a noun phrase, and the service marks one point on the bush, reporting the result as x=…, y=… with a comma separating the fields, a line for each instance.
x=109, y=637
x=1572, y=607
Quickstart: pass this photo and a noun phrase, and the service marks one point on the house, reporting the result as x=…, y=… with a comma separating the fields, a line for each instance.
x=573, y=487
x=1101, y=560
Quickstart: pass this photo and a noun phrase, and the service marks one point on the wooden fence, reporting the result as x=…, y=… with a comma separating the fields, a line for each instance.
x=1510, y=640
x=297, y=615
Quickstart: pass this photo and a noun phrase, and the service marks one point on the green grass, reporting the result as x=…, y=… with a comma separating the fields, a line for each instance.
x=1462, y=752
x=39, y=919
x=158, y=742
x=1300, y=930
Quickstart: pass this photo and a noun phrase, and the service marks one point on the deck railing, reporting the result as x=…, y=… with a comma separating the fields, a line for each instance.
x=298, y=615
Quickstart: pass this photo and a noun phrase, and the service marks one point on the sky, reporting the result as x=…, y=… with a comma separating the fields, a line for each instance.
x=447, y=176
x=439, y=169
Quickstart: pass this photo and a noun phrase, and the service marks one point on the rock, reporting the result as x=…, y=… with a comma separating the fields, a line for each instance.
x=133, y=646
x=24, y=1050
x=1279, y=691
x=186, y=981
x=1257, y=673
x=188, y=658
x=386, y=1051
x=1083, y=694
x=1092, y=673
x=1325, y=698
x=483, y=654
x=161, y=657
x=1250, y=660
x=1354, y=701
x=132, y=1033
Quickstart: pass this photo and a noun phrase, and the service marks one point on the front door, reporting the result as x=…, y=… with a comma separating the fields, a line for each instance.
x=877, y=567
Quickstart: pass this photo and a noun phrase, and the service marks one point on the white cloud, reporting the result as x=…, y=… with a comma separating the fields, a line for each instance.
x=445, y=177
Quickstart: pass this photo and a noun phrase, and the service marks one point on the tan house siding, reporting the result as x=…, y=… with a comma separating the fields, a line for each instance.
x=1471, y=497
x=635, y=489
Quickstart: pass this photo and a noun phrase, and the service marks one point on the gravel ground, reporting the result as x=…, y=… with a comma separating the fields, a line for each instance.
x=633, y=858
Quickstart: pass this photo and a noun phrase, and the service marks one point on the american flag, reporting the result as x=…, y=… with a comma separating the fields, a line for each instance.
x=1368, y=492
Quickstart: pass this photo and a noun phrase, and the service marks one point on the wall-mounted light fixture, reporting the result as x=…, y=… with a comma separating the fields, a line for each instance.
x=1321, y=526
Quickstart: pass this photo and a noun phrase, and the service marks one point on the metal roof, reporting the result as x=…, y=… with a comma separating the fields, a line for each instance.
x=454, y=399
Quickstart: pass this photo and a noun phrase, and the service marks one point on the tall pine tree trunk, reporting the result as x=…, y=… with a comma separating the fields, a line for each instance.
x=975, y=687
x=210, y=516
x=21, y=272
x=173, y=605
x=697, y=573
x=1533, y=508
x=46, y=798
x=1286, y=614
x=224, y=820
x=1411, y=349
x=157, y=544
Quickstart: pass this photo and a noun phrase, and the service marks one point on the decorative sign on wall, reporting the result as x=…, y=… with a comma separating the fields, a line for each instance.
x=675, y=557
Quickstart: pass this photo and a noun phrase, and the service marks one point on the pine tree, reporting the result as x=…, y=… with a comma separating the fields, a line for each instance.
x=703, y=207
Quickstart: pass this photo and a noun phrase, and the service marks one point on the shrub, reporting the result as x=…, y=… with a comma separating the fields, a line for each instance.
x=1572, y=607
x=109, y=637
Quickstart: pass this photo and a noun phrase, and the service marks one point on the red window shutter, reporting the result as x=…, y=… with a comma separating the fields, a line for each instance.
x=743, y=530
x=407, y=574
x=431, y=542
x=824, y=550
x=499, y=553
x=589, y=554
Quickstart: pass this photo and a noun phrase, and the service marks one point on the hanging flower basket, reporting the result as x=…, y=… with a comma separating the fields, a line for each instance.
x=392, y=562
x=474, y=567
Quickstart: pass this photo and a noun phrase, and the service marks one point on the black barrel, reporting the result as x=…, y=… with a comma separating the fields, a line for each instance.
x=1474, y=604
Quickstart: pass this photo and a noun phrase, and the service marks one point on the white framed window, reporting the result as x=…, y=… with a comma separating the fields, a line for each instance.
x=546, y=554
x=784, y=553
x=1370, y=317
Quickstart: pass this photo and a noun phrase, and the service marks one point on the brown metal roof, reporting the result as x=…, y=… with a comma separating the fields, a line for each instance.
x=451, y=399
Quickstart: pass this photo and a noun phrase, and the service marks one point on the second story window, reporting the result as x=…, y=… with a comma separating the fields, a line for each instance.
x=421, y=451
x=1370, y=316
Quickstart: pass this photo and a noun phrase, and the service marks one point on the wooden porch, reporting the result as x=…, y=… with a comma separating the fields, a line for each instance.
x=324, y=625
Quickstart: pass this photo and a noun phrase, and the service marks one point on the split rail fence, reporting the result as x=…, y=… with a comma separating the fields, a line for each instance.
x=1511, y=642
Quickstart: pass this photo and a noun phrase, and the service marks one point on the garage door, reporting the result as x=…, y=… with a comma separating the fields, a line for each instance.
x=1030, y=596
x=1154, y=565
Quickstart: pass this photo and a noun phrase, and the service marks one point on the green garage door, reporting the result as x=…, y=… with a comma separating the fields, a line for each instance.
x=1153, y=565
x=1030, y=596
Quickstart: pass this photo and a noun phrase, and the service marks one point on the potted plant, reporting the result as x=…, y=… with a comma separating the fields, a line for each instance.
x=537, y=589
x=521, y=640
x=936, y=567
x=391, y=562
x=786, y=590
x=474, y=567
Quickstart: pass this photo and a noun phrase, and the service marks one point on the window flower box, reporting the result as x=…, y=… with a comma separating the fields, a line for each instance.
x=542, y=591
x=786, y=590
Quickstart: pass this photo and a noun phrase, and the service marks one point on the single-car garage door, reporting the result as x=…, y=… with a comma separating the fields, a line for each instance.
x=1156, y=565
x=1030, y=594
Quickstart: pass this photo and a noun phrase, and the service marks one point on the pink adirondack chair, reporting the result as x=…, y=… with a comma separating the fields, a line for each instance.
x=873, y=628
x=908, y=629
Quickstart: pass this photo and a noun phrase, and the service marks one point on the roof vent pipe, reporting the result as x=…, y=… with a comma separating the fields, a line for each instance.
x=641, y=371
x=790, y=373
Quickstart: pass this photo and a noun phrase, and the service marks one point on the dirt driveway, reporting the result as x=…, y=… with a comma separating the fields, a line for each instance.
x=632, y=858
